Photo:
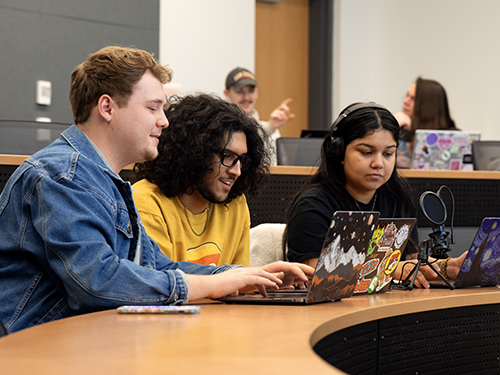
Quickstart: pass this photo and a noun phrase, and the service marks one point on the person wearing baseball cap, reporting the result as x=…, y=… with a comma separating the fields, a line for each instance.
x=242, y=89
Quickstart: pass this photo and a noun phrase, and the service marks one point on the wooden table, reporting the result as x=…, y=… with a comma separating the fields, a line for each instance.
x=241, y=339
x=7, y=159
x=408, y=173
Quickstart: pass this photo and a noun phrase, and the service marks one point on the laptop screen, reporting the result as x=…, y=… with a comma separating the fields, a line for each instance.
x=443, y=149
x=482, y=264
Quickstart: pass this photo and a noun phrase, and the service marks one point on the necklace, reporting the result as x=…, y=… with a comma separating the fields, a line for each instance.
x=373, y=205
x=206, y=222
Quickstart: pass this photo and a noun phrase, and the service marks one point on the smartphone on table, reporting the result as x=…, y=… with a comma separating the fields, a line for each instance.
x=190, y=309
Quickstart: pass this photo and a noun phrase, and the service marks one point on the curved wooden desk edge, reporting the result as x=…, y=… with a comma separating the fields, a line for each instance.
x=221, y=339
x=395, y=304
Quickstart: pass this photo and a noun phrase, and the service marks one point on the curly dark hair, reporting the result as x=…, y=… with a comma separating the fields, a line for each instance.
x=200, y=127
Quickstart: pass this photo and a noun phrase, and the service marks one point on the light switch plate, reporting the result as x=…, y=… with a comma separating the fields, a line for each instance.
x=43, y=92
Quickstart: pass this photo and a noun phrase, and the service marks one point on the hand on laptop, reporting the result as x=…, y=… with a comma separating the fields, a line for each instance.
x=453, y=266
x=290, y=273
x=278, y=275
x=425, y=273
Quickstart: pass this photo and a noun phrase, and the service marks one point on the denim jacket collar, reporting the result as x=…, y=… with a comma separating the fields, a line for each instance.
x=85, y=146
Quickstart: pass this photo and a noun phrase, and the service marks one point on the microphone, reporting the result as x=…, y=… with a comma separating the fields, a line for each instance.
x=434, y=211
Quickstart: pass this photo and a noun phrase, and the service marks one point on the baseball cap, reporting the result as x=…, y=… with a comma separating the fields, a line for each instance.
x=240, y=77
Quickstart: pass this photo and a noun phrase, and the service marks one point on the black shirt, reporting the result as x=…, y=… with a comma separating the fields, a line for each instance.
x=312, y=213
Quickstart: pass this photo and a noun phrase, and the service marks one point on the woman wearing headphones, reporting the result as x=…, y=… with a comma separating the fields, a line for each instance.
x=357, y=173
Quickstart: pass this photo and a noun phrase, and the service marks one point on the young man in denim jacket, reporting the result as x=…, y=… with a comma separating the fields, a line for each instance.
x=72, y=241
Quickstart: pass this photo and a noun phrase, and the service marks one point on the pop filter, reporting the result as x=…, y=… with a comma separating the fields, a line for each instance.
x=433, y=209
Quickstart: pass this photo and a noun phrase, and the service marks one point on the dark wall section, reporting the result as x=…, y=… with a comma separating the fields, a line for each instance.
x=47, y=39
x=320, y=63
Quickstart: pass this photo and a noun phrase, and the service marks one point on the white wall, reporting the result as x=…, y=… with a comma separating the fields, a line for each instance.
x=202, y=41
x=382, y=46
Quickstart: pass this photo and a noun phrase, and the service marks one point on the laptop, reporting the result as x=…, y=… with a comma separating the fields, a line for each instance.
x=383, y=255
x=481, y=266
x=337, y=271
x=443, y=149
x=307, y=133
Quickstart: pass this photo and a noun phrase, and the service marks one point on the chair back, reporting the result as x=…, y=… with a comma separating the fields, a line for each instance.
x=299, y=151
x=266, y=244
x=486, y=155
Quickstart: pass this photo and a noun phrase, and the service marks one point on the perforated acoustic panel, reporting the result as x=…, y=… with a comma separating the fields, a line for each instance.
x=271, y=204
x=5, y=172
x=464, y=340
x=474, y=199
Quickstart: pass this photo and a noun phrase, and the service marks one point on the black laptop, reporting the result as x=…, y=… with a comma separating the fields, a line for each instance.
x=306, y=133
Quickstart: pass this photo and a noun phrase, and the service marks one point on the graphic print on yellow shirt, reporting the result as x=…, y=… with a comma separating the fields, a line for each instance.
x=208, y=254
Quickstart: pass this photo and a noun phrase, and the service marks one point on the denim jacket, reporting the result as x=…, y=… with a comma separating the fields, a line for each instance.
x=72, y=241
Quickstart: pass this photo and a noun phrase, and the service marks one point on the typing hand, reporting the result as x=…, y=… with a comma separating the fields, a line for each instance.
x=425, y=273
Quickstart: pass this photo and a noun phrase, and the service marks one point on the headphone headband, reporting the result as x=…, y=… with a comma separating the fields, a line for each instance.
x=354, y=108
x=336, y=145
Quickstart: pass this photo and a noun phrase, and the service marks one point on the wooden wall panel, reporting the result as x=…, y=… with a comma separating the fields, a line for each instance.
x=281, y=60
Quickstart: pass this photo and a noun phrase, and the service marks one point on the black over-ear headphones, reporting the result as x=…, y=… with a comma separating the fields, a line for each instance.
x=337, y=147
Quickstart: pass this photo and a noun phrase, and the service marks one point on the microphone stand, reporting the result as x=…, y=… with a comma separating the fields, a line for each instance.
x=427, y=247
x=437, y=244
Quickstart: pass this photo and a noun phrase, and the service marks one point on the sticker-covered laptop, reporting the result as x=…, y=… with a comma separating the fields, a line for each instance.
x=443, y=149
x=481, y=266
x=337, y=271
x=384, y=253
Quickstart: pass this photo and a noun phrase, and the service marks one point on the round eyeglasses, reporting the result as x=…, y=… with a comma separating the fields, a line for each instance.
x=229, y=159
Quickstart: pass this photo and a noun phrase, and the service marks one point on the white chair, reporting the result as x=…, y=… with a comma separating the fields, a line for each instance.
x=266, y=244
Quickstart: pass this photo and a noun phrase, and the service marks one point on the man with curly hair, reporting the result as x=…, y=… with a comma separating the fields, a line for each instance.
x=191, y=198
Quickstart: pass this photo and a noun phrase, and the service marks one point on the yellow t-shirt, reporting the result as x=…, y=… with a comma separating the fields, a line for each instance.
x=226, y=239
